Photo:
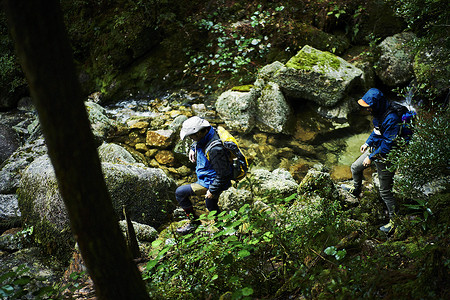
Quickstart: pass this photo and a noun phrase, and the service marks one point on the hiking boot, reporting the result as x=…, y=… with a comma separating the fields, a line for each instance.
x=388, y=228
x=187, y=228
x=351, y=189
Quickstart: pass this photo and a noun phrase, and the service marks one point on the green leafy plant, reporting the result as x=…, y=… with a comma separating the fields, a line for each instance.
x=337, y=11
x=422, y=212
x=233, y=50
x=18, y=283
x=338, y=254
x=427, y=156
x=247, y=253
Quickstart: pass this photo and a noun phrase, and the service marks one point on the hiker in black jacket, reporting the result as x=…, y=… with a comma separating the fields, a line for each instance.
x=213, y=169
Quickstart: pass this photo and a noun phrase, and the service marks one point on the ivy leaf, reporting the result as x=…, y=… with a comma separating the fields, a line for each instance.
x=243, y=253
x=340, y=254
x=330, y=250
x=247, y=291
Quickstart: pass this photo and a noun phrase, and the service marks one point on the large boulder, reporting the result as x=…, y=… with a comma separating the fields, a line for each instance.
x=317, y=76
x=273, y=114
x=147, y=193
x=237, y=109
x=395, y=64
x=42, y=207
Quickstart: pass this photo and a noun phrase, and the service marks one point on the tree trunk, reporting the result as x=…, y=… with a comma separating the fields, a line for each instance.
x=44, y=52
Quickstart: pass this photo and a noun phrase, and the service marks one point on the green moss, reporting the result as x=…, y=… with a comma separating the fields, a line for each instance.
x=51, y=239
x=307, y=58
x=242, y=88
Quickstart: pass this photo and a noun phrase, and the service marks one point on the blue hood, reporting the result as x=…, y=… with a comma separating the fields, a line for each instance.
x=376, y=100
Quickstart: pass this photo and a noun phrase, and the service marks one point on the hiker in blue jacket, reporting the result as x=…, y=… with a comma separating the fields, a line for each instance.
x=213, y=170
x=386, y=127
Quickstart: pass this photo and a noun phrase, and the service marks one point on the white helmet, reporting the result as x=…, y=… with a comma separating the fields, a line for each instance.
x=193, y=125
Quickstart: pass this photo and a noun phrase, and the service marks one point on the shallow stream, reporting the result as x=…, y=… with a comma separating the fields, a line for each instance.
x=314, y=139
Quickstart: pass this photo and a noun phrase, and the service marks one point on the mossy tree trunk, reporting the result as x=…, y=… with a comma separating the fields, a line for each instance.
x=46, y=58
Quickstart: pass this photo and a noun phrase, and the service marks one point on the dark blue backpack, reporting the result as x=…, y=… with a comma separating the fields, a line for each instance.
x=406, y=115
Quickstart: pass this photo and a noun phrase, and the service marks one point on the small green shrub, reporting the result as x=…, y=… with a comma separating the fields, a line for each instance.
x=427, y=156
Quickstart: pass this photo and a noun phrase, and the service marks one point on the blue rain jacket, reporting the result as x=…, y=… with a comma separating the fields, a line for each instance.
x=382, y=138
x=215, y=174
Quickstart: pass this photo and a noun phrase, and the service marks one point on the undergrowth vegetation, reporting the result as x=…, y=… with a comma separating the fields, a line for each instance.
x=249, y=253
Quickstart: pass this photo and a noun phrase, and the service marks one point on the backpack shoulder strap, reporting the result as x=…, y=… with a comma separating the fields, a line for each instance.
x=211, y=145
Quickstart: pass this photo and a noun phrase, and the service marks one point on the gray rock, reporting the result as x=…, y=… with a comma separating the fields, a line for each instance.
x=177, y=123
x=395, y=64
x=279, y=182
x=10, y=173
x=317, y=76
x=148, y=193
x=340, y=111
x=267, y=73
x=144, y=233
x=39, y=197
x=101, y=125
x=9, y=209
x=318, y=183
x=233, y=199
x=273, y=113
x=113, y=153
x=237, y=109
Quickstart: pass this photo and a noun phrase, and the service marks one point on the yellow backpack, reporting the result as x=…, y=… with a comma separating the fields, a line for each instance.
x=237, y=158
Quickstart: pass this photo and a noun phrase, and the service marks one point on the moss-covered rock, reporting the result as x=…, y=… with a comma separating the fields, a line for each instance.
x=395, y=64
x=147, y=193
x=43, y=208
x=242, y=88
x=310, y=60
x=317, y=76
x=319, y=183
